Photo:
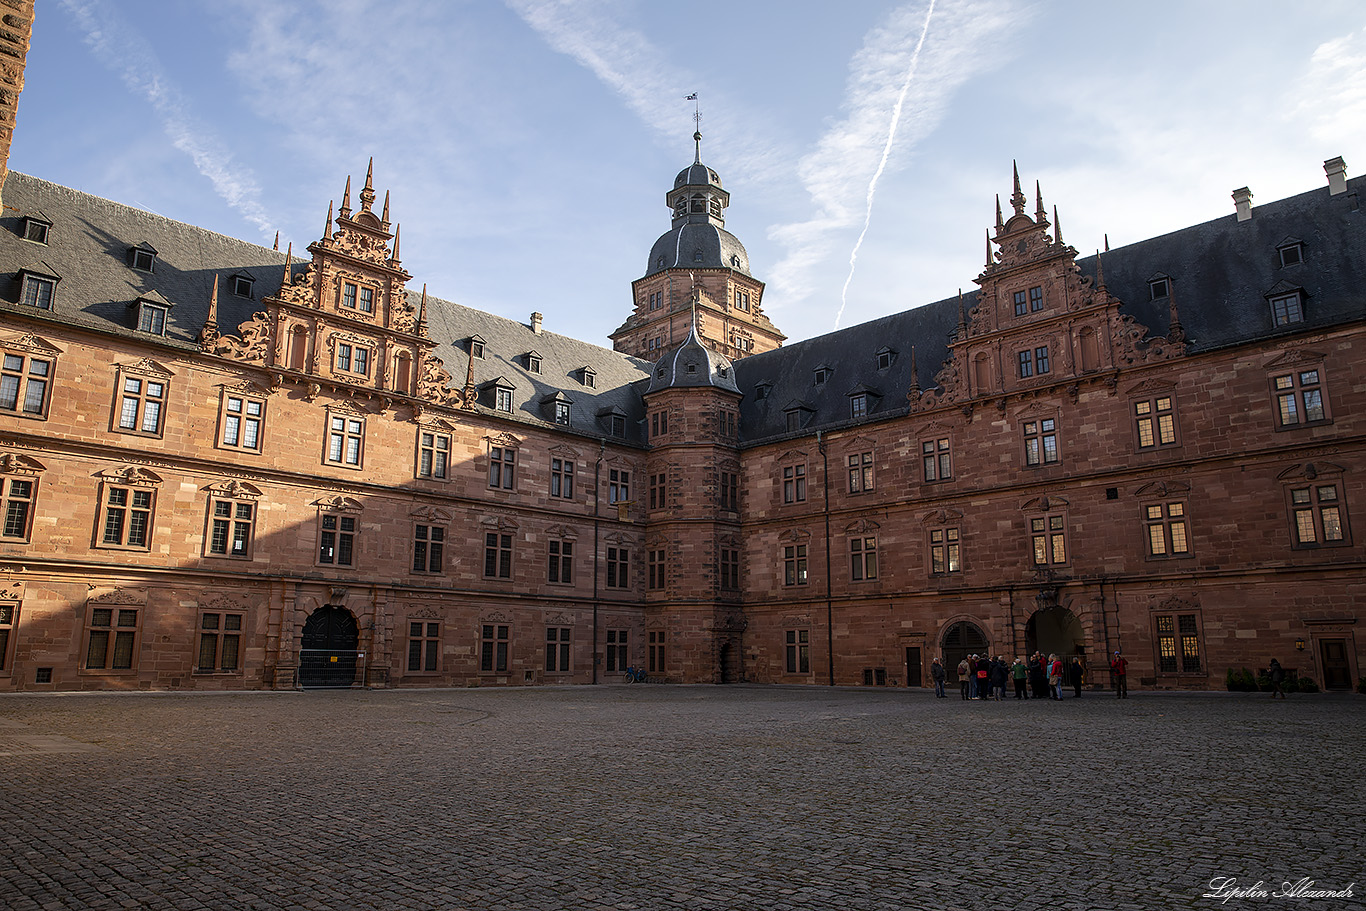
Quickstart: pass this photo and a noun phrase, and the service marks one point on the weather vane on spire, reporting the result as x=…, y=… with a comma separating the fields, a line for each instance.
x=697, y=121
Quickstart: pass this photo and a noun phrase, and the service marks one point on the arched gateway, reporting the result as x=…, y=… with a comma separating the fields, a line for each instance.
x=328, y=650
x=960, y=640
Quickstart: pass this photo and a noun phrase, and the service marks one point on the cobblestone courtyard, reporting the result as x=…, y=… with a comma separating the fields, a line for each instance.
x=651, y=797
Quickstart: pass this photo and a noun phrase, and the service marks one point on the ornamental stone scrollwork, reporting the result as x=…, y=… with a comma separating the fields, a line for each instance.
x=223, y=603
x=426, y=612
x=941, y=517
x=559, y=618
x=338, y=503
x=235, y=489
x=119, y=596
x=14, y=463
x=501, y=523
x=561, y=531
x=253, y=344
x=431, y=514
x=434, y=384
x=131, y=475
x=1177, y=603
x=148, y=367
x=31, y=344
x=1163, y=489
x=795, y=535
x=861, y=527
x=731, y=621
x=496, y=616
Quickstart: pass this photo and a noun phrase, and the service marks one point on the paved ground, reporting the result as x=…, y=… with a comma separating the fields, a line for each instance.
x=672, y=798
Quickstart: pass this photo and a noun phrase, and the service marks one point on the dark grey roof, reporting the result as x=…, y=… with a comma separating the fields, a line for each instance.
x=692, y=365
x=699, y=244
x=88, y=248
x=697, y=175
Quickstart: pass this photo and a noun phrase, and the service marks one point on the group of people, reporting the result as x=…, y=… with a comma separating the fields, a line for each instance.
x=984, y=677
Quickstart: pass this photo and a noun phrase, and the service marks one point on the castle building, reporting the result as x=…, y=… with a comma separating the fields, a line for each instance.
x=225, y=467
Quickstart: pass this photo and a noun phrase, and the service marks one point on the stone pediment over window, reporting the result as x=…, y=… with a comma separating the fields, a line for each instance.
x=1178, y=603
x=505, y=440
x=728, y=541
x=119, y=596
x=1311, y=471
x=130, y=474
x=792, y=455
x=1295, y=357
x=345, y=406
x=1036, y=410
x=339, y=503
x=859, y=444
x=495, y=617
x=560, y=617
x=426, y=612
x=796, y=620
x=441, y=425
x=247, y=387
x=861, y=527
x=619, y=538
x=941, y=517
x=147, y=367
x=795, y=534
x=562, y=531
x=1149, y=388
x=564, y=452
x=501, y=523
x=13, y=463
x=1163, y=489
x=1044, y=504
x=31, y=344
x=431, y=514
x=234, y=488
x=223, y=603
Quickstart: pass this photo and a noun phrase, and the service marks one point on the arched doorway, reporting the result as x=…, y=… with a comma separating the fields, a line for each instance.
x=728, y=661
x=1055, y=631
x=328, y=655
x=960, y=640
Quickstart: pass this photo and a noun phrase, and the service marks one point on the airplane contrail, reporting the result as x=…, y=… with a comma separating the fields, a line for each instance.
x=882, y=165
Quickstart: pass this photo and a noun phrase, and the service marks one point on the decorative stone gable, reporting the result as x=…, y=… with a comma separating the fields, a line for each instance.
x=1038, y=321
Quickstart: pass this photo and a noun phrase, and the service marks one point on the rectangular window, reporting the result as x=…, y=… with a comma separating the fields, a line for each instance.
x=557, y=650
x=241, y=419
x=657, y=665
x=1286, y=310
x=16, y=499
x=336, y=539
x=618, y=567
x=858, y=406
x=345, y=440
x=367, y=300
x=729, y=566
x=433, y=454
x=151, y=318
x=618, y=653
x=934, y=457
x=424, y=646
x=862, y=559
x=8, y=614
x=794, y=564
x=1300, y=398
x=231, y=526
x=562, y=413
x=1155, y=422
x=1041, y=360
x=344, y=358
x=429, y=544
x=38, y=292
x=562, y=478
x=794, y=483
x=1167, y=533
x=618, y=485
x=502, y=467
x=1036, y=299
x=1318, y=515
x=1020, y=306
x=561, y=568
x=24, y=384
x=1026, y=360
x=1041, y=442
x=127, y=520
x=1178, y=644
x=1049, y=538
x=659, y=424
x=944, y=551
x=363, y=361
x=798, y=652
x=493, y=647
x=655, y=561
x=220, y=643
x=112, y=639
x=497, y=555
x=348, y=295
x=657, y=489
x=861, y=472
x=141, y=404
x=729, y=490
x=503, y=399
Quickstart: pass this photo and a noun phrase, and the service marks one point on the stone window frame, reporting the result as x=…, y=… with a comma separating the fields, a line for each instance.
x=616, y=650
x=618, y=560
x=657, y=564
x=344, y=439
x=560, y=559
x=233, y=513
x=1039, y=435
x=618, y=485
x=863, y=557
x=495, y=647
x=658, y=486
x=113, y=623
x=728, y=489
x=728, y=567
x=936, y=459
x=228, y=624
x=1316, y=502
x=793, y=476
x=235, y=422
x=126, y=501
x=36, y=366
x=337, y=534
x=1299, y=391
x=562, y=477
x=1177, y=628
x=559, y=649
x=945, y=543
x=658, y=651
x=797, y=651
x=502, y=473
x=429, y=547
x=1166, y=523
x=433, y=454
x=796, y=563
x=500, y=548
x=860, y=472
x=1046, y=529
x=17, y=509
x=424, y=646
x=1155, y=422
x=9, y=622
x=142, y=394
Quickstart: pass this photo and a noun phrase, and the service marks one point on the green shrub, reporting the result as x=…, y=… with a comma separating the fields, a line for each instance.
x=1290, y=684
x=1307, y=685
x=1234, y=682
x=1248, y=682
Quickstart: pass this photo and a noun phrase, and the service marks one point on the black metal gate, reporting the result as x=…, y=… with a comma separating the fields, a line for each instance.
x=328, y=654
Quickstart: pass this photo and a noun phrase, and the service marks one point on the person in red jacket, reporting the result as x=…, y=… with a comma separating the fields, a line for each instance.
x=1119, y=668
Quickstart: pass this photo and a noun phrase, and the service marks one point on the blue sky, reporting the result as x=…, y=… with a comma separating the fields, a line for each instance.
x=528, y=144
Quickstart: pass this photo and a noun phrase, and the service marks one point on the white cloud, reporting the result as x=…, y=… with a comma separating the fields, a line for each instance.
x=125, y=52
x=1332, y=93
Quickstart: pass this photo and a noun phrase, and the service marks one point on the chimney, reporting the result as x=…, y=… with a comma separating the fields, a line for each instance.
x=536, y=323
x=1242, y=201
x=1336, y=169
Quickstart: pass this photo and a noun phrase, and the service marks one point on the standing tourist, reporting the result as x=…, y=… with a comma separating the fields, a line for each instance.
x=1074, y=674
x=938, y=673
x=1018, y=671
x=1277, y=675
x=1119, y=668
x=964, y=678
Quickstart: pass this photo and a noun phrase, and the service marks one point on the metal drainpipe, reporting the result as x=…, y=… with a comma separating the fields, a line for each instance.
x=829, y=597
x=597, y=500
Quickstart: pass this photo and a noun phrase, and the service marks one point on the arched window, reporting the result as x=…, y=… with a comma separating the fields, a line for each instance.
x=403, y=372
x=698, y=205
x=1090, y=350
x=298, y=348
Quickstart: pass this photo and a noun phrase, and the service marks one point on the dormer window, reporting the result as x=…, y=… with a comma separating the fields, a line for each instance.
x=476, y=346
x=821, y=375
x=36, y=229
x=502, y=399
x=242, y=285
x=562, y=413
x=659, y=263
x=734, y=261
x=1159, y=288
x=741, y=300
x=1291, y=253
x=533, y=362
x=38, y=289
x=151, y=318
x=1287, y=309
x=692, y=369
x=144, y=258
x=761, y=391
x=884, y=358
x=697, y=256
x=858, y=405
x=618, y=426
x=588, y=378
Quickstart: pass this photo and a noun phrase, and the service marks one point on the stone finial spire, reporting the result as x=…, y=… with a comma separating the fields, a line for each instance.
x=209, y=334
x=1100, y=272
x=962, y=317
x=1107, y=243
x=1040, y=215
x=394, y=260
x=989, y=258
x=327, y=228
x=289, y=260
x=1017, y=198
x=277, y=241
x=384, y=218
x=1000, y=222
x=915, y=374
x=1057, y=227
x=468, y=393
x=422, y=313
x=1175, y=332
x=697, y=140
x=367, y=192
x=345, y=210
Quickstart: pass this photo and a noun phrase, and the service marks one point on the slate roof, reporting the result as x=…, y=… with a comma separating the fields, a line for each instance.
x=693, y=365
x=88, y=248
